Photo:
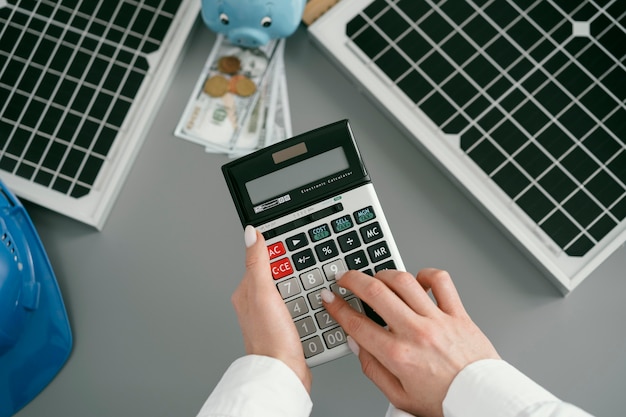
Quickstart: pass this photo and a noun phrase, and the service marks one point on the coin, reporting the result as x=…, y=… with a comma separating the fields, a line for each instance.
x=229, y=64
x=216, y=86
x=232, y=84
x=245, y=87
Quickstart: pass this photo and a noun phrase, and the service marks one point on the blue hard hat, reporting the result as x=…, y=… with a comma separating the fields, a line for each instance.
x=35, y=337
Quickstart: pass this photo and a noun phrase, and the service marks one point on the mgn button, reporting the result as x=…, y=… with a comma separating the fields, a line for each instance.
x=320, y=232
x=296, y=242
x=364, y=215
x=303, y=259
x=371, y=232
x=341, y=224
x=326, y=250
x=349, y=241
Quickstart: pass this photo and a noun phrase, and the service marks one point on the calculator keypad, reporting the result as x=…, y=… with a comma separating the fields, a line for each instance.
x=305, y=262
x=311, y=279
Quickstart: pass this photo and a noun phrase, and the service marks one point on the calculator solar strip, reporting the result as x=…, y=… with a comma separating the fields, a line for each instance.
x=70, y=71
x=535, y=90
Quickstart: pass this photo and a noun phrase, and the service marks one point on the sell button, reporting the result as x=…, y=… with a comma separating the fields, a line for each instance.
x=342, y=223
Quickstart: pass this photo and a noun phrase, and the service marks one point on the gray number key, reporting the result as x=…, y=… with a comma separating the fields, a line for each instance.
x=315, y=299
x=332, y=268
x=288, y=287
x=311, y=279
x=334, y=337
x=297, y=307
x=324, y=319
x=343, y=292
x=312, y=346
x=305, y=327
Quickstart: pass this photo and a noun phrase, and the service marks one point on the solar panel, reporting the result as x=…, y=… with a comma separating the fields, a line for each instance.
x=521, y=101
x=79, y=83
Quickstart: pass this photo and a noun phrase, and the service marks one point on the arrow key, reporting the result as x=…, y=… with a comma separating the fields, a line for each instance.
x=298, y=241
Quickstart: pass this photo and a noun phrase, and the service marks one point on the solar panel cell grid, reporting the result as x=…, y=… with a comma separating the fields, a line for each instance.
x=69, y=72
x=534, y=90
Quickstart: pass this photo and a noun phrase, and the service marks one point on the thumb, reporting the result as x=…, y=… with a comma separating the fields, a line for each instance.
x=257, y=257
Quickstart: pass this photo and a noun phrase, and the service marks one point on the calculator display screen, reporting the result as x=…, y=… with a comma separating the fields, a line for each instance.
x=297, y=175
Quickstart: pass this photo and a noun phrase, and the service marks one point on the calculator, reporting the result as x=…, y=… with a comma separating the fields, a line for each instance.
x=312, y=199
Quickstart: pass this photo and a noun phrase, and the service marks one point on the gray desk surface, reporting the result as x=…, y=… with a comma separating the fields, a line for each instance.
x=149, y=296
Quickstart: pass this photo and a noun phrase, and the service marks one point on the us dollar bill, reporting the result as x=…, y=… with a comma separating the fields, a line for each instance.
x=225, y=99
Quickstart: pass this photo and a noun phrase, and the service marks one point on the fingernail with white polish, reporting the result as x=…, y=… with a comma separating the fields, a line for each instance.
x=249, y=236
x=327, y=295
x=339, y=274
x=354, y=347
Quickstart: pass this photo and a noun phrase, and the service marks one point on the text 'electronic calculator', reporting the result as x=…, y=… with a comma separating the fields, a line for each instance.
x=313, y=200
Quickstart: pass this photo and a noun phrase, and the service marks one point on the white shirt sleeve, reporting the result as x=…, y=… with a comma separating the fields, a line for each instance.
x=258, y=386
x=495, y=388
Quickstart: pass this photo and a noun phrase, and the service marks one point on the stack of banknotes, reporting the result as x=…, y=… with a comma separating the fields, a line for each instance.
x=239, y=103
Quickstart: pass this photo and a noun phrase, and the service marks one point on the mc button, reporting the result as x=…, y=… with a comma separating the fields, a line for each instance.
x=371, y=232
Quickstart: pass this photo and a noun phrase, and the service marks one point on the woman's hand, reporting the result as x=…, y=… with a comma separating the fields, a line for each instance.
x=265, y=322
x=427, y=342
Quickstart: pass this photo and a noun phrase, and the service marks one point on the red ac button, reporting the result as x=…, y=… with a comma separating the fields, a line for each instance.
x=276, y=249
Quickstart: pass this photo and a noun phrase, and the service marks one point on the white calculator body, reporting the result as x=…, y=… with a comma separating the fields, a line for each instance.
x=313, y=200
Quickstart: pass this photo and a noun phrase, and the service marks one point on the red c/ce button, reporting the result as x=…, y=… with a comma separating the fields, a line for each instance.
x=281, y=268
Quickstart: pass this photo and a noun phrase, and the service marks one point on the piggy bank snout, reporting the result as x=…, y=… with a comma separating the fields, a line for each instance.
x=248, y=37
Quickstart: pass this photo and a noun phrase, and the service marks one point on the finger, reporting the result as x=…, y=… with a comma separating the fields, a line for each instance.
x=443, y=289
x=368, y=335
x=379, y=297
x=257, y=257
x=358, y=326
x=409, y=290
x=386, y=381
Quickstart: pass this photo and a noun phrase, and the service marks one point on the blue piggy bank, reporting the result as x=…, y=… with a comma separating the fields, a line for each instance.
x=252, y=23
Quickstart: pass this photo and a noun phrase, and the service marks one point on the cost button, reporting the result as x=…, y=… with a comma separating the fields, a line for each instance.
x=320, y=232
